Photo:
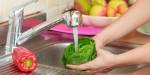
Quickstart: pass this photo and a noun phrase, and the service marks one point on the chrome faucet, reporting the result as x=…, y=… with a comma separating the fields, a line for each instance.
x=72, y=18
x=16, y=37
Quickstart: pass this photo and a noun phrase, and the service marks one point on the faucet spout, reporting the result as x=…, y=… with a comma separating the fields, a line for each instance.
x=15, y=22
x=35, y=30
x=16, y=37
x=14, y=31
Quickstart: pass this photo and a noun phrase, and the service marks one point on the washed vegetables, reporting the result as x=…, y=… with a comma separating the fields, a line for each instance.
x=24, y=59
x=86, y=52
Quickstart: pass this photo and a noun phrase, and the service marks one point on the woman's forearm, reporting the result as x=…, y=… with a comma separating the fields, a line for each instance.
x=136, y=56
x=137, y=15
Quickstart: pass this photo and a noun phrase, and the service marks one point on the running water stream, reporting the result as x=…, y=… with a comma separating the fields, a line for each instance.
x=72, y=18
x=75, y=36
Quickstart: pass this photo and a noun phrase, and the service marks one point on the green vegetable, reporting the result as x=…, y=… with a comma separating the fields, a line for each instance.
x=86, y=52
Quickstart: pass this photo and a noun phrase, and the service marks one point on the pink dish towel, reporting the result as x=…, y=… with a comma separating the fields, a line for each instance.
x=31, y=22
x=82, y=30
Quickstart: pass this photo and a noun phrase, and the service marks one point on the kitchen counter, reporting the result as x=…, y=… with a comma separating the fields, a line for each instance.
x=136, y=38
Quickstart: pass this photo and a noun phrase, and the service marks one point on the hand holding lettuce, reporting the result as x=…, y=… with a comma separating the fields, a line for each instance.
x=86, y=52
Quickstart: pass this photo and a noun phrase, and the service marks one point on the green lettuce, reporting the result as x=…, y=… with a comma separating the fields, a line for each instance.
x=86, y=52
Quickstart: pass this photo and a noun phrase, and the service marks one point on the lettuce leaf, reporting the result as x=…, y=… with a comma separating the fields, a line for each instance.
x=86, y=52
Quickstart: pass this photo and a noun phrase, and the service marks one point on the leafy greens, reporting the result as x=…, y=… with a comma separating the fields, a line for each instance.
x=86, y=52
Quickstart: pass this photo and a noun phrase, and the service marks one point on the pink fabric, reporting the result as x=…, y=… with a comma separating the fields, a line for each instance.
x=31, y=22
x=82, y=30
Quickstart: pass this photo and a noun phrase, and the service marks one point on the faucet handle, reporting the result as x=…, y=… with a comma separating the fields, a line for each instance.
x=76, y=18
x=72, y=18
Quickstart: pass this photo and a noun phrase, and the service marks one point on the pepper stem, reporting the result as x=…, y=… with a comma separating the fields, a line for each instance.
x=27, y=63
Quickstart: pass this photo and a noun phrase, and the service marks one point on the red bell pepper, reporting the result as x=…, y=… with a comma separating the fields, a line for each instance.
x=24, y=59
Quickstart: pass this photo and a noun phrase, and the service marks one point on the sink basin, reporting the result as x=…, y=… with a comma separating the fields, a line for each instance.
x=49, y=53
x=52, y=55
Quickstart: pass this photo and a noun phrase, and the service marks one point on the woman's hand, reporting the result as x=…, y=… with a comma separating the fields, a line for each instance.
x=98, y=43
x=103, y=62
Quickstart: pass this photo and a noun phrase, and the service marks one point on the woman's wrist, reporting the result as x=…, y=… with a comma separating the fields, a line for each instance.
x=114, y=61
x=99, y=42
x=100, y=39
x=122, y=60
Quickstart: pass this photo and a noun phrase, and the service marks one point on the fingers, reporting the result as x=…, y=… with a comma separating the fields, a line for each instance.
x=77, y=67
x=87, y=66
x=90, y=67
x=82, y=68
x=99, y=70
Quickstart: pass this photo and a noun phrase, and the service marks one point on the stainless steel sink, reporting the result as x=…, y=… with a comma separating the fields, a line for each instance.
x=48, y=59
x=52, y=55
x=49, y=47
